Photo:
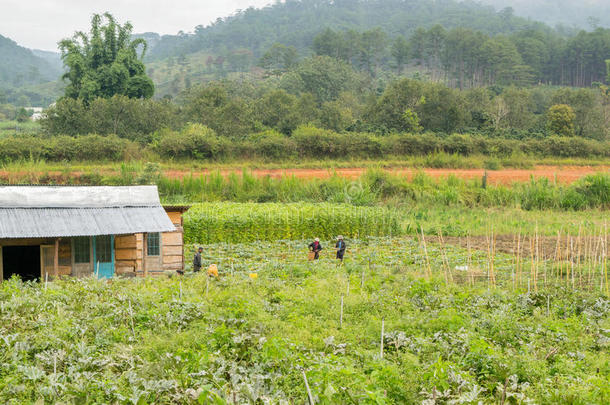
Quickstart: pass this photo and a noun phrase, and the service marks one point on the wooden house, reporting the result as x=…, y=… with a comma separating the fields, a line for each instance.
x=51, y=231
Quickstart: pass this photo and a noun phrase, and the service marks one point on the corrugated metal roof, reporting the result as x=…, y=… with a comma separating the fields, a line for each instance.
x=78, y=197
x=66, y=222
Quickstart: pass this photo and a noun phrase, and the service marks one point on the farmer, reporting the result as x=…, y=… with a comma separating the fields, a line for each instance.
x=315, y=247
x=340, y=246
x=197, y=260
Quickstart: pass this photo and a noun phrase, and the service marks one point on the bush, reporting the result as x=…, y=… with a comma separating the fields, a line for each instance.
x=59, y=148
x=195, y=141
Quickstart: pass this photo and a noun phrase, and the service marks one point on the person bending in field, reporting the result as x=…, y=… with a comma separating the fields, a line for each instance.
x=316, y=248
x=197, y=260
x=340, y=246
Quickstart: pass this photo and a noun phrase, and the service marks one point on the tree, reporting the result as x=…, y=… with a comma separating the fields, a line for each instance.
x=322, y=76
x=400, y=52
x=560, y=120
x=279, y=58
x=105, y=62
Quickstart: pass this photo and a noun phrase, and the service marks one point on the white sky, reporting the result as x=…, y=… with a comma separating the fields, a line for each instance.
x=40, y=24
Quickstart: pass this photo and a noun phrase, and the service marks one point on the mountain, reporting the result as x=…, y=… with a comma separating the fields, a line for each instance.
x=582, y=14
x=21, y=67
x=52, y=58
x=297, y=22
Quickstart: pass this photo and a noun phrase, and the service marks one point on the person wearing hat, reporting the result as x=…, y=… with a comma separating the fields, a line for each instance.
x=197, y=260
x=315, y=247
x=340, y=246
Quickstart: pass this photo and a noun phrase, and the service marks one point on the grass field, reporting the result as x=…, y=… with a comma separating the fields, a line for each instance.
x=242, y=339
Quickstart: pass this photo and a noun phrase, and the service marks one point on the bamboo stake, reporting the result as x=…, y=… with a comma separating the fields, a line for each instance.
x=493, y=256
x=381, y=345
x=448, y=275
x=362, y=282
x=469, y=263
x=133, y=331
x=519, y=258
x=309, y=396
x=572, y=260
x=537, y=259
x=605, y=265
x=488, y=241
x=568, y=257
x=532, y=264
x=557, y=254
x=578, y=243
x=428, y=268
x=341, y=316
x=513, y=261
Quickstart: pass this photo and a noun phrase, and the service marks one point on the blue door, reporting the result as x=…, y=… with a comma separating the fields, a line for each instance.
x=103, y=252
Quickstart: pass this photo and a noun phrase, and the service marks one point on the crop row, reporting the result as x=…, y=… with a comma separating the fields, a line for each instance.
x=246, y=222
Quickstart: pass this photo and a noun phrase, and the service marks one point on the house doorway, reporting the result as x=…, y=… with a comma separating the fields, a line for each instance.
x=23, y=261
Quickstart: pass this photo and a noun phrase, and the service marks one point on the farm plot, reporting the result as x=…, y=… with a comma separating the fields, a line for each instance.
x=242, y=339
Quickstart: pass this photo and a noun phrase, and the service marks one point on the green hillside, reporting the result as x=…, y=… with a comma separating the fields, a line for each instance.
x=22, y=72
x=295, y=23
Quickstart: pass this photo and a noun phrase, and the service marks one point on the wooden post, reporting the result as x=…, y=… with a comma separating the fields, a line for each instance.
x=144, y=249
x=56, y=259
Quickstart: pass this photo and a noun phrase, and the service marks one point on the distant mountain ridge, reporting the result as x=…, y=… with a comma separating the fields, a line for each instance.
x=21, y=67
x=296, y=22
x=582, y=13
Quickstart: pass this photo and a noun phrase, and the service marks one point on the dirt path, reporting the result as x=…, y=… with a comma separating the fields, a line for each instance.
x=565, y=174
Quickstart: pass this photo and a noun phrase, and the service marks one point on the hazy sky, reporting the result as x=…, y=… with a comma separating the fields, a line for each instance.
x=40, y=24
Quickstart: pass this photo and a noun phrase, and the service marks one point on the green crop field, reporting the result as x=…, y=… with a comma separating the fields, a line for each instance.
x=451, y=333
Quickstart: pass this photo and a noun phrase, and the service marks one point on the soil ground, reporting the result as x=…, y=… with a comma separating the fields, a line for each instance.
x=561, y=174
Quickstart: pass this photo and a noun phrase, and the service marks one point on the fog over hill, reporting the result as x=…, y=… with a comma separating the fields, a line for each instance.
x=581, y=13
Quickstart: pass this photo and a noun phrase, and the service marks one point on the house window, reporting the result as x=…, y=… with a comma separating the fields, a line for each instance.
x=82, y=250
x=153, y=244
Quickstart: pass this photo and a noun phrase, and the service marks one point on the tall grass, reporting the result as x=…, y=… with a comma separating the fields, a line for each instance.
x=376, y=187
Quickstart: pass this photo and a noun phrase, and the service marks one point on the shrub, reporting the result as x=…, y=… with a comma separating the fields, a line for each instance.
x=194, y=141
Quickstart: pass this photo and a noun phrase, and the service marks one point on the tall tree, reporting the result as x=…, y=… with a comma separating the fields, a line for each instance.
x=400, y=52
x=106, y=62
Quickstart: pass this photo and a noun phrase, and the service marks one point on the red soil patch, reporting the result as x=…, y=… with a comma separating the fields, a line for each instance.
x=561, y=174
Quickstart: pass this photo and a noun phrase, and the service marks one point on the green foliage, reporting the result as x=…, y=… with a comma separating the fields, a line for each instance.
x=66, y=148
x=560, y=120
x=134, y=119
x=105, y=63
x=233, y=222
